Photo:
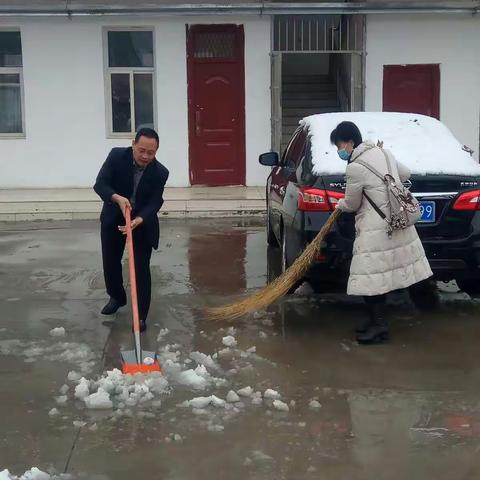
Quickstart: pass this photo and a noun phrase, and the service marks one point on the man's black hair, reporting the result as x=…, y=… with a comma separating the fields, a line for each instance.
x=147, y=132
x=345, y=132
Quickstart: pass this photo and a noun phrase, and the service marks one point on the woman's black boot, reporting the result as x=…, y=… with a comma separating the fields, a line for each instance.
x=377, y=331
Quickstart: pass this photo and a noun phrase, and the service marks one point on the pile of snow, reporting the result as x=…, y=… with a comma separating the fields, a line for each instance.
x=57, y=332
x=32, y=474
x=422, y=143
x=115, y=390
x=78, y=354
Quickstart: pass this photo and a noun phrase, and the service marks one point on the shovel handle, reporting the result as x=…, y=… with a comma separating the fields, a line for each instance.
x=131, y=267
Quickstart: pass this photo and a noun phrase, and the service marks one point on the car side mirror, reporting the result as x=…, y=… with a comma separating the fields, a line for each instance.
x=269, y=159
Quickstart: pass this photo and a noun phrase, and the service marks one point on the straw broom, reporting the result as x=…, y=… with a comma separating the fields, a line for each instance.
x=281, y=285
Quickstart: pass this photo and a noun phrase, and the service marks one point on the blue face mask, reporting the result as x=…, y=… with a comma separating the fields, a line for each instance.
x=343, y=154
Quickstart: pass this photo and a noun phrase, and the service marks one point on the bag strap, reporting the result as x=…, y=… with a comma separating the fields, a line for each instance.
x=372, y=169
x=389, y=165
x=375, y=207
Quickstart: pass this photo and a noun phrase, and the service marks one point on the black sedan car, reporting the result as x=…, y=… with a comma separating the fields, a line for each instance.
x=302, y=191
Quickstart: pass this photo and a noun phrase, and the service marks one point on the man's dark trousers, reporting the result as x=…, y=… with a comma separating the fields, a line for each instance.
x=113, y=246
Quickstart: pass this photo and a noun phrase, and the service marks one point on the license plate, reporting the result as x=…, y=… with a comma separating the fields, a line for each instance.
x=427, y=210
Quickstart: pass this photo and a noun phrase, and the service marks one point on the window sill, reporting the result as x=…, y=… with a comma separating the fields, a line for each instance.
x=12, y=136
x=121, y=136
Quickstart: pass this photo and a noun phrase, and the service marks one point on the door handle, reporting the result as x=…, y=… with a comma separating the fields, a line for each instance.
x=198, y=129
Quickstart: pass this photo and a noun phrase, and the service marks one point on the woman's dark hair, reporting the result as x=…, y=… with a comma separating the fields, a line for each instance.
x=147, y=132
x=345, y=132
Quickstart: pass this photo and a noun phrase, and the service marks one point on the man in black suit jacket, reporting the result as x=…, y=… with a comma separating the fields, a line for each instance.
x=130, y=178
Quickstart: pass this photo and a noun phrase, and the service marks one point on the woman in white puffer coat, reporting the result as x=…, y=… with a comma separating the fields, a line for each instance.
x=381, y=263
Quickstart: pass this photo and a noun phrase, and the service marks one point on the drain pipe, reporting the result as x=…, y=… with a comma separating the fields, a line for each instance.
x=69, y=9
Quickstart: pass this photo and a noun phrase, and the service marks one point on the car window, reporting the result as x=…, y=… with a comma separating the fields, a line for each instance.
x=295, y=150
x=305, y=173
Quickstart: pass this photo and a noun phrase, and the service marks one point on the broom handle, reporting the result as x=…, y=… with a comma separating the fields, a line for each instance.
x=133, y=284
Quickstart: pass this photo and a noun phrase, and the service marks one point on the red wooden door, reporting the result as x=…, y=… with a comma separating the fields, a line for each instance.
x=216, y=101
x=412, y=89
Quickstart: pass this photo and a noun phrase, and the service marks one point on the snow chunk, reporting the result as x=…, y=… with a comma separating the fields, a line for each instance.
x=163, y=333
x=232, y=397
x=57, y=332
x=32, y=474
x=200, y=402
x=98, y=400
x=64, y=389
x=315, y=404
x=192, y=379
x=217, y=402
x=202, y=359
x=272, y=394
x=408, y=137
x=259, y=456
x=82, y=390
x=53, y=412
x=215, y=428
x=245, y=392
x=281, y=406
x=304, y=290
x=74, y=376
x=79, y=424
x=62, y=399
x=229, y=341
x=252, y=349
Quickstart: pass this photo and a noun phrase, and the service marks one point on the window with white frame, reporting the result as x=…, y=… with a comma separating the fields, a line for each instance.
x=130, y=80
x=11, y=84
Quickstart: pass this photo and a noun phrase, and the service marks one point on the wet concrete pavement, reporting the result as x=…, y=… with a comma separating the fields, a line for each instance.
x=408, y=409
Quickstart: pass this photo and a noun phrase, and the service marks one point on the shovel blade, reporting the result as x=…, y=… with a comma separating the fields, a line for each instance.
x=131, y=366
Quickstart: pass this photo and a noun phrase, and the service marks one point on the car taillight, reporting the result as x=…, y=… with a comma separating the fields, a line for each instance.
x=468, y=201
x=316, y=200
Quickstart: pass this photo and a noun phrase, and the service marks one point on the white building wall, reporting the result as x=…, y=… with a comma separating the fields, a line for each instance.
x=450, y=40
x=65, y=114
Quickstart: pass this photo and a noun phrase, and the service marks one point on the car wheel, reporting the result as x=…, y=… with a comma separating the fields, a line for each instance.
x=424, y=295
x=471, y=286
x=271, y=239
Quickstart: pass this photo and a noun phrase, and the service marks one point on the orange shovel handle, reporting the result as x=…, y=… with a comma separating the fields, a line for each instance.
x=131, y=267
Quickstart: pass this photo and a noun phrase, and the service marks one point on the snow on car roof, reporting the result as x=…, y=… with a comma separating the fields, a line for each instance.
x=422, y=143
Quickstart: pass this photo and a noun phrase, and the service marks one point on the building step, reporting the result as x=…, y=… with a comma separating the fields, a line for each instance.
x=307, y=88
x=306, y=111
x=302, y=104
x=308, y=96
x=320, y=97
x=306, y=79
x=83, y=204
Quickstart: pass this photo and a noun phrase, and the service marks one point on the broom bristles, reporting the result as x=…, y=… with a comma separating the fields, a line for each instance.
x=281, y=285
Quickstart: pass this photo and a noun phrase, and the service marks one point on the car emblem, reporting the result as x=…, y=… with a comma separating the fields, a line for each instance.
x=407, y=184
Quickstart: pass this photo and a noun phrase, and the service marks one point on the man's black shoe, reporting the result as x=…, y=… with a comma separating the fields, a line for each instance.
x=111, y=307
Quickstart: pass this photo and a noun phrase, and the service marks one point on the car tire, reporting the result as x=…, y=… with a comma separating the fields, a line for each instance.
x=424, y=295
x=271, y=238
x=470, y=286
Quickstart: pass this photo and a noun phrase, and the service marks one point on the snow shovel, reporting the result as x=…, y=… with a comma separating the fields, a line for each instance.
x=138, y=360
